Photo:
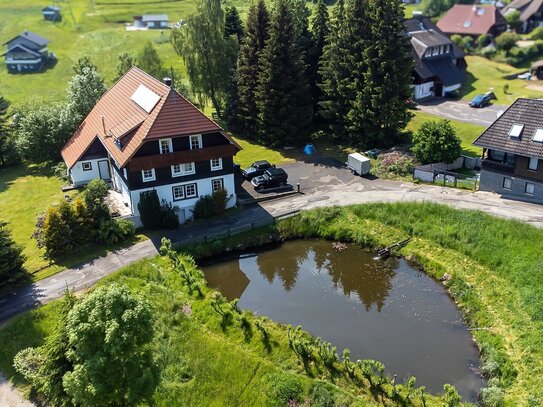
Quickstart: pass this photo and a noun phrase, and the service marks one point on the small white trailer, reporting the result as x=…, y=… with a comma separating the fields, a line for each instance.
x=358, y=164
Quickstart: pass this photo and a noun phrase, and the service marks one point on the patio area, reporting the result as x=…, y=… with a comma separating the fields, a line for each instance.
x=117, y=207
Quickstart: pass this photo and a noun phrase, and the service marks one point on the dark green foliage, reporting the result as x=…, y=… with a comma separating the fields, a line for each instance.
x=283, y=98
x=436, y=141
x=44, y=367
x=513, y=19
x=41, y=130
x=109, y=337
x=57, y=233
x=210, y=205
x=232, y=24
x=82, y=64
x=506, y=40
x=320, y=396
x=381, y=111
x=8, y=152
x=126, y=61
x=209, y=56
x=115, y=231
x=168, y=216
x=483, y=40
x=11, y=257
x=94, y=195
x=320, y=30
x=84, y=90
x=282, y=389
x=150, y=210
x=247, y=73
x=433, y=8
x=149, y=61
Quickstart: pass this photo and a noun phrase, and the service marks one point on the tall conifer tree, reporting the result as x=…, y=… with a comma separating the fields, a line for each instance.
x=233, y=24
x=247, y=67
x=388, y=75
x=320, y=31
x=283, y=97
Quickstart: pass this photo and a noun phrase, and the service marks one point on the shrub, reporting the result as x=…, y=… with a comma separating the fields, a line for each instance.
x=94, y=195
x=466, y=43
x=537, y=34
x=436, y=141
x=320, y=396
x=282, y=389
x=451, y=396
x=513, y=19
x=11, y=257
x=61, y=171
x=210, y=205
x=492, y=396
x=169, y=218
x=506, y=40
x=395, y=164
x=57, y=235
x=115, y=231
x=150, y=210
x=483, y=40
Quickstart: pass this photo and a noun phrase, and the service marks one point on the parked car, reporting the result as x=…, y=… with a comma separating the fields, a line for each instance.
x=257, y=168
x=480, y=101
x=272, y=177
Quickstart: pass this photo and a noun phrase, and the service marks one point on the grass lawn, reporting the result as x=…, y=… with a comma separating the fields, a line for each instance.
x=466, y=131
x=24, y=193
x=203, y=362
x=484, y=75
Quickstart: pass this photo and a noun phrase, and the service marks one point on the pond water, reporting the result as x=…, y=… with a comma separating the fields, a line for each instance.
x=379, y=309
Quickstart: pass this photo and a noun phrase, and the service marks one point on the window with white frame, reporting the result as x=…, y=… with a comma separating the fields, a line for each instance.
x=217, y=184
x=507, y=183
x=166, y=146
x=530, y=188
x=178, y=170
x=148, y=175
x=196, y=142
x=532, y=164
x=184, y=192
x=87, y=166
x=216, y=164
x=178, y=192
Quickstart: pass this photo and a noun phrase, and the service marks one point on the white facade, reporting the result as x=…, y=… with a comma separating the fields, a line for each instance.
x=424, y=90
x=86, y=170
x=185, y=206
x=451, y=88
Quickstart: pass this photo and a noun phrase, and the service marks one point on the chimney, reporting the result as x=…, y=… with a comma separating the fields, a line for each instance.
x=167, y=81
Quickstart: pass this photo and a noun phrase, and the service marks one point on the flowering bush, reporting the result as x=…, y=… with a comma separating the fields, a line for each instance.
x=395, y=164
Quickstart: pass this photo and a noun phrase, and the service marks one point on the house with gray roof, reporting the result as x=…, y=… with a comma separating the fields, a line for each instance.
x=26, y=52
x=512, y=161
x=439, y=64
x=151, y=21
x=531, y=13
x=51, y=13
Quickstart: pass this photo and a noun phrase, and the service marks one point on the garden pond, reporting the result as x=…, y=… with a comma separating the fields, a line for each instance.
x=385, y=310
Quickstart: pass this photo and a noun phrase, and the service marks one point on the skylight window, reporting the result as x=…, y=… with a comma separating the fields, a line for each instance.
x=516, y=131
x=538, y=136
x=467, y=24
x=145, y=98
x=480, y=11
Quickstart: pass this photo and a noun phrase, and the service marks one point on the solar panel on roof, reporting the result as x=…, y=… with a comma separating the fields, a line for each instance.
x=145, y=98
x=538, y=136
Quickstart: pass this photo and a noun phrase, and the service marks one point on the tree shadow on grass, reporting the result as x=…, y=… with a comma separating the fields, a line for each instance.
x=467, y=86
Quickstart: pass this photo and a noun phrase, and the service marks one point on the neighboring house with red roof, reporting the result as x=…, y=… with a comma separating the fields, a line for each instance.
x=531, y=13
x=143, y=135
x=472, y=20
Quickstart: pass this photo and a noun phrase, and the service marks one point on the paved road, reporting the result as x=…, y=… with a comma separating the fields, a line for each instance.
x=460, y=110
x=322, y=184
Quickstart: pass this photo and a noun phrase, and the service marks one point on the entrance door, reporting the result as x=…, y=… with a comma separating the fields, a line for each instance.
x=103, y=168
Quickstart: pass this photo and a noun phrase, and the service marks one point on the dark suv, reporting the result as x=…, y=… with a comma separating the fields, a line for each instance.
x=257, y=168
x=272, y=177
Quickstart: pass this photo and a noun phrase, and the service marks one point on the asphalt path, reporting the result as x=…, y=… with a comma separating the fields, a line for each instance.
x=461, y=111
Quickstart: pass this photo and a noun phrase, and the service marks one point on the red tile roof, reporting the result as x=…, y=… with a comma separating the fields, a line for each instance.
x=467, y=19
x=116, y=115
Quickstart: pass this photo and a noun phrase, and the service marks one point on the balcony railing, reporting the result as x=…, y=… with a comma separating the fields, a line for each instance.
x=498, y=166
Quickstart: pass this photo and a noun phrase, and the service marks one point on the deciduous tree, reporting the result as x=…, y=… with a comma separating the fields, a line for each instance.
x=84, y=90
x=283, y=97
x=208, y=55
x=436, y=141
x=109, y=337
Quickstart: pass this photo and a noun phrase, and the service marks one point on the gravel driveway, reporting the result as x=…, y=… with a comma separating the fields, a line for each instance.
x=460, y=110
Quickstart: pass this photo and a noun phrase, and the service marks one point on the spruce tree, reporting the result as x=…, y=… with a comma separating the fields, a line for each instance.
x=320, y=30
x=283, y=96
x=149, y=61
x=126, y=61
x=247, y=67
x=388, y=75
x=7, y=147
x=233, y=24
x=11, y=257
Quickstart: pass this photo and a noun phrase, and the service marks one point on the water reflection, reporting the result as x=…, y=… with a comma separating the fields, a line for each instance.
x=380, y=310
